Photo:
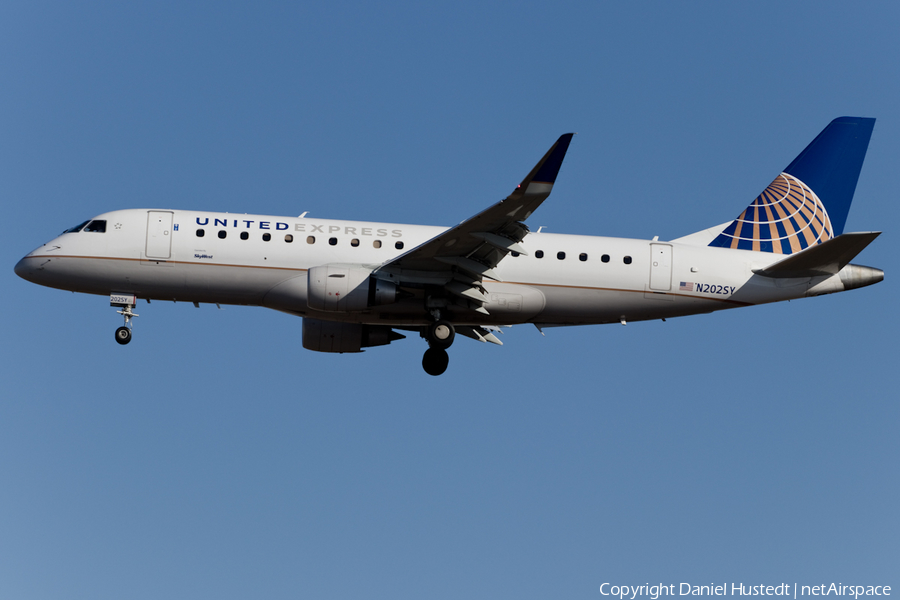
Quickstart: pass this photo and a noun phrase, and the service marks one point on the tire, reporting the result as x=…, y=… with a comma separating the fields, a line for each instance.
x=435, y=361
x=441, y=334
x=123, y=335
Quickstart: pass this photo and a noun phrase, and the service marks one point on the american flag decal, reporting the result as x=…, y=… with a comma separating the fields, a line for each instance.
x=686, y=286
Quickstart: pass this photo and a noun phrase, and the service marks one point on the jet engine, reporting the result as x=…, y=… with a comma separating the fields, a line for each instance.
x=347, y=288
x=333, y=336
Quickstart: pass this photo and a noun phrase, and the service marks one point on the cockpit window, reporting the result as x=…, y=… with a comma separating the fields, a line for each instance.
x=77, y=228
x=97, y=226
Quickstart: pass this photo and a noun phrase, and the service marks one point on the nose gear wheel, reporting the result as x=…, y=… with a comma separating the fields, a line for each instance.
x=123, y=334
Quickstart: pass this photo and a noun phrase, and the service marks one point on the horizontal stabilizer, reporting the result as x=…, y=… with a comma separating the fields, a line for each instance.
x=826, y=258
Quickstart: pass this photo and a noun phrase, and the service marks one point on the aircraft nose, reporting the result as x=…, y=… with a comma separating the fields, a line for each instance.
x=24, y=269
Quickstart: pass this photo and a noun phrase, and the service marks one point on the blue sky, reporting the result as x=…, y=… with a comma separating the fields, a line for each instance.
x=213, y=457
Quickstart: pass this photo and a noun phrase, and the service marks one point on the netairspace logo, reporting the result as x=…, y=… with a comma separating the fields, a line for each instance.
x=654, y=592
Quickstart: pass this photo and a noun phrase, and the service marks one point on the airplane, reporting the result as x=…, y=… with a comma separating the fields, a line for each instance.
x=359, y=284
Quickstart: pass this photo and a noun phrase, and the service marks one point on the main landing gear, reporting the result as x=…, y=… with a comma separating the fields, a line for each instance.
x=440, y=336
x=123, y=334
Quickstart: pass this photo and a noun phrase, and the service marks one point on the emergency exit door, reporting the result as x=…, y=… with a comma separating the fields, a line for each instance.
x=159, y=234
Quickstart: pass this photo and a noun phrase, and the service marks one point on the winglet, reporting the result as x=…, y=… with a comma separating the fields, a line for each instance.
x=543, y=175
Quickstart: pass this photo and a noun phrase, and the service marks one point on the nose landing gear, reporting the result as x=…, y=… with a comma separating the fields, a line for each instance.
x=123, y=335
x=439, y=335
x=127, y=302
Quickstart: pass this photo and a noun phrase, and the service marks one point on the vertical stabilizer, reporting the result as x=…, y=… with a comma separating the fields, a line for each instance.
x=807, y=204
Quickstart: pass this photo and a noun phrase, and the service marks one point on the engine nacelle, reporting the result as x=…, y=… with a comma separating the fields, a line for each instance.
x=332, y=336
x=347, y=288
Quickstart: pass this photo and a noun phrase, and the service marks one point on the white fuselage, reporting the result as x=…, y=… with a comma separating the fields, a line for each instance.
x=563, y=279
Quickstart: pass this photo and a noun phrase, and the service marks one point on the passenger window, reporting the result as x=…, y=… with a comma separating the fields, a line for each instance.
x=376, y=244
x=222, y=234
x=77, y=228
x=200, y=233
x=582, y=257
x=627, y=260
x=604, y=258
x=399, y=245
x=513, y=253
x=267, y=237
x=310, y=239
x=354, y=242
x=245, y=235
x=332, y=241
x=539, y=254
x=561, y=255
x=96, y=226
x=288, y=238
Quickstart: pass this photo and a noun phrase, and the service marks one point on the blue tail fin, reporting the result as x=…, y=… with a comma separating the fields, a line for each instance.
x=808, y=203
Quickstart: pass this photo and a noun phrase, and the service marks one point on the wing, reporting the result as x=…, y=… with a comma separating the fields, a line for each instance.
x=458, y=259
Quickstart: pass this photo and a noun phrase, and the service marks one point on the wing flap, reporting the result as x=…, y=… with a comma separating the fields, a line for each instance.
x=480, y=334
x=500, y=242
x=471, y=266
